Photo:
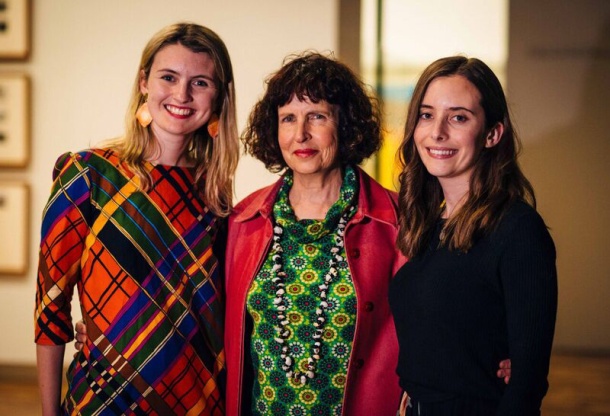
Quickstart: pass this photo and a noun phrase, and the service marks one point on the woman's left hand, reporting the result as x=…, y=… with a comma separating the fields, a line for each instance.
x=505, y=370
x=80, y=335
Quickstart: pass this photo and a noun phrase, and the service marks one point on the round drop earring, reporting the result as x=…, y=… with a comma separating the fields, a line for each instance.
x=143, y=115
x=213, y=126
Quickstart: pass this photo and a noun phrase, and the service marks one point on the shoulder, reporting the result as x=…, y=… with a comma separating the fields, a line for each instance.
x=522, y=224
x=87, y=156
x=84, y=160
x=67, y=160
x=377, y=201
x=260, y=200
x=520, y=214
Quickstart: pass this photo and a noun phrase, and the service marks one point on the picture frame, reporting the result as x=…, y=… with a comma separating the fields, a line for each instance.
x=15, y=29
x=14, y=120
x=14, y=227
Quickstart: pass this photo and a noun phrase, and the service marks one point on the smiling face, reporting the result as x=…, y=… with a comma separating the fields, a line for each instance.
x=307, y=134
x=181, y=92
x=450, y=132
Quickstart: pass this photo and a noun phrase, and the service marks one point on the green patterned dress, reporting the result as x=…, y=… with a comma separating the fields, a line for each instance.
x=306, y=248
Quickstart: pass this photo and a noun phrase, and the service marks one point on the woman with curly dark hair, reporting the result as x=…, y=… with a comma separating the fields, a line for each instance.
x=310, y=258
x=481, y=282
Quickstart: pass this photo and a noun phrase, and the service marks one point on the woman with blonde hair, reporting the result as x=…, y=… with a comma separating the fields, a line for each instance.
x=136, y=225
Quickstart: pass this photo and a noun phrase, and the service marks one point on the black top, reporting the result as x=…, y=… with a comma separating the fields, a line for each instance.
x=459, y=314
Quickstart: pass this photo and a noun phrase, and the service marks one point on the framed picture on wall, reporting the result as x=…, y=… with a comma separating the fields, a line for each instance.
x=14, y=120
x=14, y=29
x=14, y=229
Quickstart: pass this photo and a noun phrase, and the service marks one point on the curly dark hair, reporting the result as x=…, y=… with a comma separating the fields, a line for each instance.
x=318, y=78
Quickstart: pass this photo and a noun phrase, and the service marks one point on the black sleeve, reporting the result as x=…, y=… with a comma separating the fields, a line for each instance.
x=529, y=280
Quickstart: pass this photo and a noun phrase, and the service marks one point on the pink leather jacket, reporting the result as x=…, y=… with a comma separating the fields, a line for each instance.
x=372, y=384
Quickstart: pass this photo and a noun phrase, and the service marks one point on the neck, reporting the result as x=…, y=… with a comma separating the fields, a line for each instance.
x=455, y=195
x=311, y=196
x=169, y=153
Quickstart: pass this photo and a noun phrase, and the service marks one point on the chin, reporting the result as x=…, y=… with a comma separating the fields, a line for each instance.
x=306, y=171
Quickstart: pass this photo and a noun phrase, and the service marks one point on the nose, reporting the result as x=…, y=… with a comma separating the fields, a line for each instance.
x=183, y=92
x=302, y=131
x=438, y=130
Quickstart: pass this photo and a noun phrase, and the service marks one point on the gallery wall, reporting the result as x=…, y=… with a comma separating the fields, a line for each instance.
x=558, y=84
x=81, y=67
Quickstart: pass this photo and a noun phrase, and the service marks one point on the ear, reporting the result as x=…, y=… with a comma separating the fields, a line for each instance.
x=143, y=83
x=494, y=135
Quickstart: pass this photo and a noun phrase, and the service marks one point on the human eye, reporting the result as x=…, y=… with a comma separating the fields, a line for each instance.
x=460, y=118
x=286, y=118
x=167, y=77
x=424, y=115
x=201, y=83
x=320, y=117
x=317, y=116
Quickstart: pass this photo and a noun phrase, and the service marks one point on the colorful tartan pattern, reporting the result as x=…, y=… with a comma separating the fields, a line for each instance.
x=307, y=251
x=148, y=285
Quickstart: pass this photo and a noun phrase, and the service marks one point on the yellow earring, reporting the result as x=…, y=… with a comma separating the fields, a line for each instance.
x=143, y=115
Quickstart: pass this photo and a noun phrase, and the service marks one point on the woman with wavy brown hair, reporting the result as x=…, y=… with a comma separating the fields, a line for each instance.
x=481, y=282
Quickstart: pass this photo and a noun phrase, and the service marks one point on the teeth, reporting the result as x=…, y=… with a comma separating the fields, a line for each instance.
x=179, y=111
x=439, y=152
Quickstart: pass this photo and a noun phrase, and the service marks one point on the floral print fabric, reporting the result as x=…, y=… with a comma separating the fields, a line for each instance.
x=306, y=245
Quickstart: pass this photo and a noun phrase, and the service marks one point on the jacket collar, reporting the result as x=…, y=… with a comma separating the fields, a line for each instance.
x=374, y=201
x=257, y=203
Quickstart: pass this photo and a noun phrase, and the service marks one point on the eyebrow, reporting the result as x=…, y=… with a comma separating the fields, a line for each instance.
x=450, y=108
x=325, y=112
x=313, y=111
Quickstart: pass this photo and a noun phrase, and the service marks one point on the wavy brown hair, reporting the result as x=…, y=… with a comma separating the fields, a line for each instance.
x=215, y=160
x=319, y=78
x=496, y=181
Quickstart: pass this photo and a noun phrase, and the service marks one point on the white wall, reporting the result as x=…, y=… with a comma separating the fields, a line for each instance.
x=83, y=63
x=559, y=85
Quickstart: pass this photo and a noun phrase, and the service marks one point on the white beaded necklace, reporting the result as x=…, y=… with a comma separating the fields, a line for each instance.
x=280, y=304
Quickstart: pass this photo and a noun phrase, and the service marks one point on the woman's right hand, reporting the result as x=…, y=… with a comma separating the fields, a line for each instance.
x=80, y=336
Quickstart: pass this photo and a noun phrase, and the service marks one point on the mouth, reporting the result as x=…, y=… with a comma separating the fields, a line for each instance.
x=179, y=111
x=305, y=152
x=441, y=153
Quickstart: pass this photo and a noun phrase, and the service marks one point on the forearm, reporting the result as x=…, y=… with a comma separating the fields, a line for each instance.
x=50, y=365
x=530, y=286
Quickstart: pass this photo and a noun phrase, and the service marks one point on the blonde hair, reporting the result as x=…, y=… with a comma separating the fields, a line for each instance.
x=215, y=160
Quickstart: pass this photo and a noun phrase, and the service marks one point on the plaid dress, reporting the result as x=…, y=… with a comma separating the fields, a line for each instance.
x=148, y=284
